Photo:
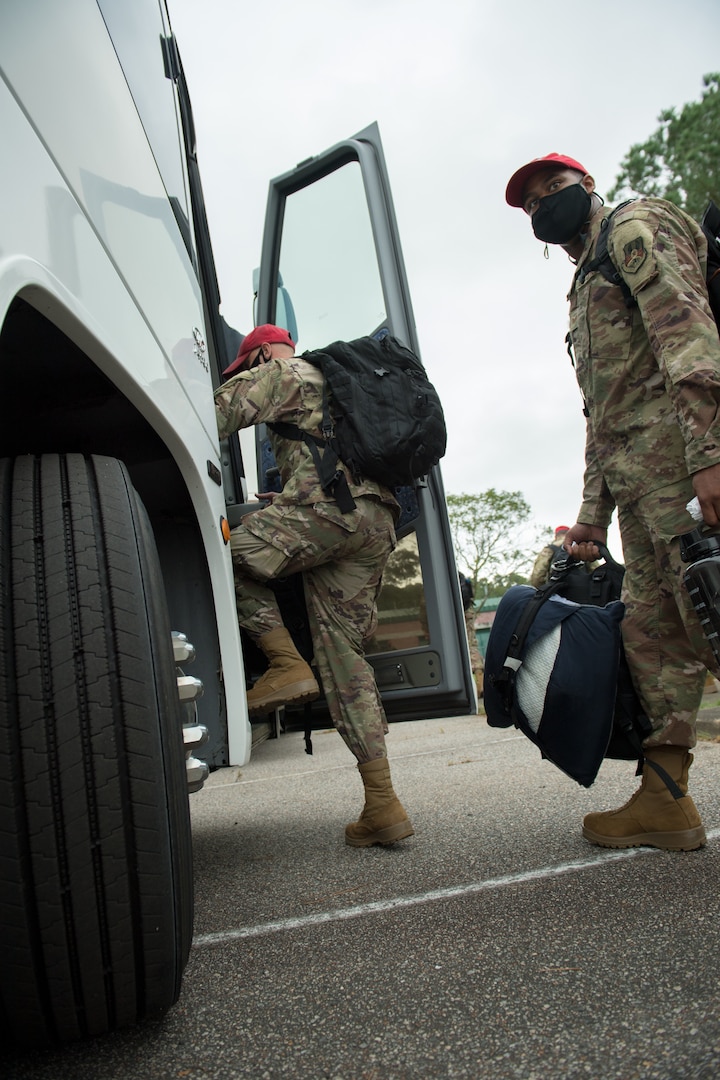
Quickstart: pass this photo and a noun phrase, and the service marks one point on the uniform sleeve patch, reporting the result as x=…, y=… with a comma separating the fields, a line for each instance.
x=634, y=255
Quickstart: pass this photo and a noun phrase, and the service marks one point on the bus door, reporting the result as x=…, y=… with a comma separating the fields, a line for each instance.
x=332, y=269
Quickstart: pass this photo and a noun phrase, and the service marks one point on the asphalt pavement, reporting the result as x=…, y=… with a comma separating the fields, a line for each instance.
x=494, y=943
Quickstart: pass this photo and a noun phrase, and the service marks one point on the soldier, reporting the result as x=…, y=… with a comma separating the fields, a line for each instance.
x=477, y=665
x=541, y=567
x=341, y=557
x=650, y=378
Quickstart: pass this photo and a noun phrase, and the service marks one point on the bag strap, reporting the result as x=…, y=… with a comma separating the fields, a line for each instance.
x=333, y=480
x=505, y=681
x=331, y=477
x=673, y=788
x=603, y=261
x=710, y=225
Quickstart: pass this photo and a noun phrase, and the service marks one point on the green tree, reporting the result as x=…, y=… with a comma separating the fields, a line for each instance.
x=494, y=543
x=681, y=160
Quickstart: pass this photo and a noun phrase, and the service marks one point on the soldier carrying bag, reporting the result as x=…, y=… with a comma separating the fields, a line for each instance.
x=555, y=668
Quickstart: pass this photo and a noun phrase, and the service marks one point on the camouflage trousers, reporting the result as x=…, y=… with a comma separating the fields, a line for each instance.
x=477, y=665
x=476, y=660
x=667, y=651
x=341, y=558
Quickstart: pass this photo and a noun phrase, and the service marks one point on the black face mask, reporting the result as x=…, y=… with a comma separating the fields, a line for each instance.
x=560, y=216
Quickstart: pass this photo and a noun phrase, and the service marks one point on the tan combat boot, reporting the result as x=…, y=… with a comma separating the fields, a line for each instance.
x=383, y=820
x=660, y=814
x=287, y=679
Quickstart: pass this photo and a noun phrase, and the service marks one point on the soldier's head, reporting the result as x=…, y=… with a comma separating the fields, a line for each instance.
x=260, y=345
x=560, y=533
x=556, y=192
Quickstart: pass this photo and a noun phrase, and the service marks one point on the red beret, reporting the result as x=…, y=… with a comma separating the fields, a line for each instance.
x=516, y=185
x=273, y=335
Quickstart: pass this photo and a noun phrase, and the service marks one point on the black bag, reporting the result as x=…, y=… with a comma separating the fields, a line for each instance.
x=382, y=417
x=711, y=227
x=555, y=668
x=599, y=587
x=467, y=592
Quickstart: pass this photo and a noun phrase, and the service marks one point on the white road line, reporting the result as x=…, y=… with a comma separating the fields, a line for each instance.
x=376, y=907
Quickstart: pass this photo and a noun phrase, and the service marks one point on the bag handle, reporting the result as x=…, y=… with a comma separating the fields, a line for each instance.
x=566, y=561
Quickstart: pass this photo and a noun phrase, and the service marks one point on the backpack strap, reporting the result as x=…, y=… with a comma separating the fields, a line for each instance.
x=673, y=788
x=505, y=681
x=710, y=225
x=602, y=260
x=333, y=480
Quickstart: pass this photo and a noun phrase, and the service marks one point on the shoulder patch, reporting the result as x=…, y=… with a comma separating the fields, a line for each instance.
x=632, y=247
x=634, y=255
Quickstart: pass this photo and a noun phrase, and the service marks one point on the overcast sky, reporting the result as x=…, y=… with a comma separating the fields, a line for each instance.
x=464, y=92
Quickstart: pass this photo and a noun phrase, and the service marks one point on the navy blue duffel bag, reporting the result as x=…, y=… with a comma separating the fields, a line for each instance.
x=552, y=669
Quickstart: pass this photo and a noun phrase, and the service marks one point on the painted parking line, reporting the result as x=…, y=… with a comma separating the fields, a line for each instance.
x=377, y=907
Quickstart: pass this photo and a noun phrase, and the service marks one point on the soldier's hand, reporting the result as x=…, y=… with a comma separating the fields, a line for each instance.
x=706, y=485
x=580, y=541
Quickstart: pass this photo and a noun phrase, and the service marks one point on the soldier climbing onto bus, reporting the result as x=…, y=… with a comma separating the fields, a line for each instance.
x=341, y=556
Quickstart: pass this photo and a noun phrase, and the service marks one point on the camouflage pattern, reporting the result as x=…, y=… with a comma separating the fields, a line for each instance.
x=341, y=556
x=668, y=653
x=476, y=660
x=467, y=595
x=289, y=391
x=541, y=567
x=650, y=377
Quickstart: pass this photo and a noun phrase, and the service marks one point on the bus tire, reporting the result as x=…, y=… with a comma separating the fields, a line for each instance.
x=96, y=892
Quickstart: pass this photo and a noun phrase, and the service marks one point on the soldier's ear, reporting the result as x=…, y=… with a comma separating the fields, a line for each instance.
x=588, y=183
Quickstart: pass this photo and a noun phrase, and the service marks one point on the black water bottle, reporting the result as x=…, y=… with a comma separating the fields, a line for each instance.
x=701, y=549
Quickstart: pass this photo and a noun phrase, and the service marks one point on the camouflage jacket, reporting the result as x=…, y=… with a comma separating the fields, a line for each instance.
x=541, y=567
x=650, y=374
x=288, y=390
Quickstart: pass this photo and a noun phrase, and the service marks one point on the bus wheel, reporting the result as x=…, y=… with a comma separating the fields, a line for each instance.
x=96, y=901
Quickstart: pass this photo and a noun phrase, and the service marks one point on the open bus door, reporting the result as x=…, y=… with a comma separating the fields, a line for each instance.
x=332, y=269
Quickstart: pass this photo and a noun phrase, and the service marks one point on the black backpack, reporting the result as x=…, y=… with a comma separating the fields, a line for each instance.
x=602, y=260
x=382, y=417
x=467, y=592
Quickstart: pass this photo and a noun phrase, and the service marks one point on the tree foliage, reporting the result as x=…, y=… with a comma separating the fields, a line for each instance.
x=494, y=542
x=680, y=161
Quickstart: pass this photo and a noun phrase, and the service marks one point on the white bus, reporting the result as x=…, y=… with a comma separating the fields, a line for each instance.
x=122, y=670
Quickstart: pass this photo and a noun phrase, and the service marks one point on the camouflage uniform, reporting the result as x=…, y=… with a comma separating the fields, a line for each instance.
x=341, y=556
x=541, y=567
x=477, y=665
x=650, y=377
